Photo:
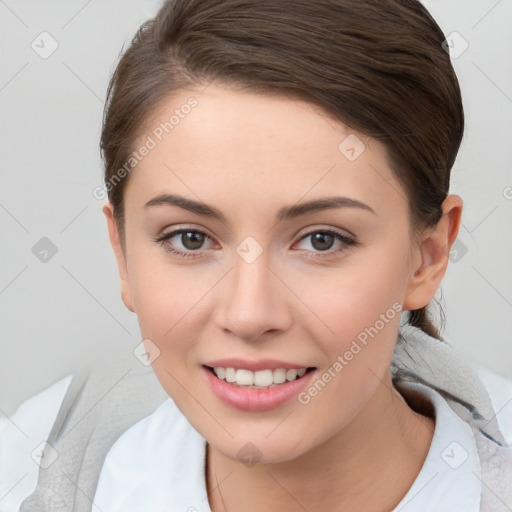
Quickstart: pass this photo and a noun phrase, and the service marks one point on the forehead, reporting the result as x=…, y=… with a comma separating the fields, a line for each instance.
x=258, y=150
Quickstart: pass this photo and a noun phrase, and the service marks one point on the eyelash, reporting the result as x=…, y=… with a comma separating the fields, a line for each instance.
x=347, y=243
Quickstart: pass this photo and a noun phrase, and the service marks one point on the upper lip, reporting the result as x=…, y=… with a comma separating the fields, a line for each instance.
x=260, y=364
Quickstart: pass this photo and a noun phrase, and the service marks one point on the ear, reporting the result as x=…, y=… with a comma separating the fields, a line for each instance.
x=433, y=254
x=115, y=242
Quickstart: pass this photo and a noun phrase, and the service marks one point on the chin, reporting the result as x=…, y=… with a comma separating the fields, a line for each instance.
x=259, y=449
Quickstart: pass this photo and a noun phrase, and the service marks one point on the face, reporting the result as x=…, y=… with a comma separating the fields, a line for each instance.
x=257, y=276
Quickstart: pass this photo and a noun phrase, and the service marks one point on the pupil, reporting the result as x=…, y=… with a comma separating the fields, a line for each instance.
x=194, y=240
x=319, y=241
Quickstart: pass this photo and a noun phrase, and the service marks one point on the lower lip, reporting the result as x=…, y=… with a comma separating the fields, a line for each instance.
x=250, y=399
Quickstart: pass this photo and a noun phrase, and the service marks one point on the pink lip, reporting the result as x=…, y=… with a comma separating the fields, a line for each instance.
x=262, y=364
x=250, y=399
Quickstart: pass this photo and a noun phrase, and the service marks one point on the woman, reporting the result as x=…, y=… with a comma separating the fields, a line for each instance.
x=278, y=179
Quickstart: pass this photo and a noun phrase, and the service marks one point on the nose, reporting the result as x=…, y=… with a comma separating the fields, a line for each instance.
x=253, y=302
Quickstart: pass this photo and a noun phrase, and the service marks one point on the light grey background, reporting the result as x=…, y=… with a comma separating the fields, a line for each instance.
x=57, y=314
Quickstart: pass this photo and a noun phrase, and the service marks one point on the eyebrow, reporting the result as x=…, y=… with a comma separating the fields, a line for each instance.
x=287, y=212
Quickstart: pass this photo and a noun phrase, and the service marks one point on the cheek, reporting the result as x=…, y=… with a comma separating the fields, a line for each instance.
x=362, y=314
x=355, y=297
x=170, y=302
x=164, y=303
x=167, y=307
x=359, y=308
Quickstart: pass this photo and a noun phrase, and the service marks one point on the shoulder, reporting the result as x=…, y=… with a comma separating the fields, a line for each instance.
x=161, y=448
x=448, y=480
x=499, y=388
x=469, y=386
x=22, y=435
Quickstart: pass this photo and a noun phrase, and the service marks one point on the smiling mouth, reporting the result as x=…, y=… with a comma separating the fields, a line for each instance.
x=262, y=379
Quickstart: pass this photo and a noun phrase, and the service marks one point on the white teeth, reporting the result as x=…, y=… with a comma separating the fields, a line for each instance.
x=263, y=378
x=230, y=375
x=220, y=372
x=291, y=374
x=279, y=375
x=244, y=377
x=260, y=378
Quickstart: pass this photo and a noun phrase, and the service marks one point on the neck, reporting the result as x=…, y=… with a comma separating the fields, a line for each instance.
x=368, y=466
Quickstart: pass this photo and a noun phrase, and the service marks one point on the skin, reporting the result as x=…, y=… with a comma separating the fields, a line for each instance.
x=357, y=445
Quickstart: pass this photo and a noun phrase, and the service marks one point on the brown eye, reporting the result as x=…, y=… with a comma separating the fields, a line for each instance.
x=192, y=240
x=184, y=242
x=322, y=241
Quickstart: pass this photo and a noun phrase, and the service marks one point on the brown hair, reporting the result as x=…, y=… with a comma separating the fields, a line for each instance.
x=377, y=66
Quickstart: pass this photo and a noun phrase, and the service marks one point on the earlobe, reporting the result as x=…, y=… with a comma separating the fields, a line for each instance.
x=117, y=247
x=434, y=252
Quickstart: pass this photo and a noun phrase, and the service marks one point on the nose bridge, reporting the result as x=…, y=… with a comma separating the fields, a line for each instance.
x=251, y=303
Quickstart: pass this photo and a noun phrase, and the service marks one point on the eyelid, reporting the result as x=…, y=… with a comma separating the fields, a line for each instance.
x=185, y=227
x=315, y=228
x=177, y=230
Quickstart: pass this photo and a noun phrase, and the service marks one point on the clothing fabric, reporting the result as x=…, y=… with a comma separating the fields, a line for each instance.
x=100, y=404
x=20, y=435
x=164, y=448
x=441, y=366
x=113, y=422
